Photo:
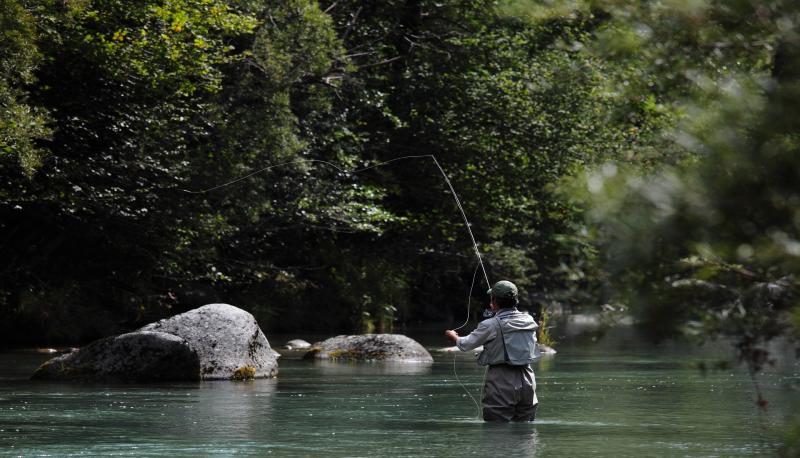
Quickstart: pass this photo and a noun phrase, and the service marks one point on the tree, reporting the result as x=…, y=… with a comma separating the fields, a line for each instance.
x=508, y=108
x=241, y=103
x=144, y=98
x=21, y=124
x=705, y=243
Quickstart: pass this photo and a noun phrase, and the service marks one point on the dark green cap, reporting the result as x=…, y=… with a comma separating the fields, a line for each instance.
x=504, y=288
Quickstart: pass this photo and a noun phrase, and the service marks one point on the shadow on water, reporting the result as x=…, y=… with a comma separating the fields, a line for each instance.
x=514, y=439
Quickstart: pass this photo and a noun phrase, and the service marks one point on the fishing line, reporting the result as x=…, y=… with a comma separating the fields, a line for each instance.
x=455, y=373
x=469, y=298
x=467, y=224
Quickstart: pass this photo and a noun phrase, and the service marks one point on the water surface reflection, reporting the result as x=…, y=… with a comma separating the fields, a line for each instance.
x=349, y=368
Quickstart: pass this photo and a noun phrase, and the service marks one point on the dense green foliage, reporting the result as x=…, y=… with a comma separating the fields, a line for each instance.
x=21, y=124
x=707, y=243
x=111, y=110
x=131, y=104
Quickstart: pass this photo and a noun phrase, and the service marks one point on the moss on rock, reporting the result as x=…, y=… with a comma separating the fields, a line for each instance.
x=244, y=373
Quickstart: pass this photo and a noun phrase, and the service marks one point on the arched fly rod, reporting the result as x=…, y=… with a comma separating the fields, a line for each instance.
x=363, y=169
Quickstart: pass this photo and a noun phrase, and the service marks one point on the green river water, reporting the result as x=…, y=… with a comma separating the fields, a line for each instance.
x=617, y=396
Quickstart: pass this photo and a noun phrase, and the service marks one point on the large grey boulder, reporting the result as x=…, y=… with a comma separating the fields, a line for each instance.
x=227, y=340
x=371, y=347
x=134, y=357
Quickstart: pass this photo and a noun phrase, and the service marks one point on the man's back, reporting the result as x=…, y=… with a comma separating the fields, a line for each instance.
x=513, y=340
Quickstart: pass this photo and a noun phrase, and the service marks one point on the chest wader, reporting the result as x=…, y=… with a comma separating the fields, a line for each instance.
x=509, y=393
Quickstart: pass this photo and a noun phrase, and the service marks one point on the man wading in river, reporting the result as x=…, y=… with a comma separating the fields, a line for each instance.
x=509, y=345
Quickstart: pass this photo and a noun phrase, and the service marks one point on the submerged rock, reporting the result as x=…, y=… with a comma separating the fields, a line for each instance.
x=545, y=350
x=140, y=356
x=371, y=347
x=227, y=339
x=454, y=349
x=296, y=344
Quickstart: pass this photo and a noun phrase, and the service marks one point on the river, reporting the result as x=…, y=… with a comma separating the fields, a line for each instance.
x=613, y=396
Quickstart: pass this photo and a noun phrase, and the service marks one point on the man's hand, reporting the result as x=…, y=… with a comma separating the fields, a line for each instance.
x=452, y=335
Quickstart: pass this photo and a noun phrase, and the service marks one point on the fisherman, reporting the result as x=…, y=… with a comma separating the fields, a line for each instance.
x=509, y=342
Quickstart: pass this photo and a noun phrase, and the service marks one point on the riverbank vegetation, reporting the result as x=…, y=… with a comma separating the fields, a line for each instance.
x=706, y=245
x=604, y=152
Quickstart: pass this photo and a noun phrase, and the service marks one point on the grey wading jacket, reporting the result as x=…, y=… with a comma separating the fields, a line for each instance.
x=507, y=338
